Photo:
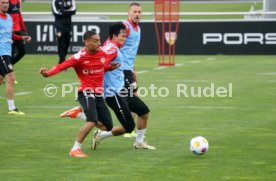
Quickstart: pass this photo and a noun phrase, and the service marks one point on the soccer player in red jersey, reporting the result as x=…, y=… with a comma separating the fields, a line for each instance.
x=89, y=64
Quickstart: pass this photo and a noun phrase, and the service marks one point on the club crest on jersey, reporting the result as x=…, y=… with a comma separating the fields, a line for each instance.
x=102, y=60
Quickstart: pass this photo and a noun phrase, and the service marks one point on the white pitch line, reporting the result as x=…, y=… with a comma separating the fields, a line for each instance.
x=179, y=64
x=159, y=68
x=195, y=61
x=22, y=93
x=18, y=94
x=211, y=58
x=202, y=107
x=142, y=72
x=267, y=73
x=51, y=88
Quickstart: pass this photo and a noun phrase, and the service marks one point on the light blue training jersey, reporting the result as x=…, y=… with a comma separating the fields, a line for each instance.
x=114, y=80
x=129, y=50
x=5, y=36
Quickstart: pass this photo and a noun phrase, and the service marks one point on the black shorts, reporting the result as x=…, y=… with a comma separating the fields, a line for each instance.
x=130, y=83
x=137, y=106
x=5, y=65
x=95, y=109
x=121, y=109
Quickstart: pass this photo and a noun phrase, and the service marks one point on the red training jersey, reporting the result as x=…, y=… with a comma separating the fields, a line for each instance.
x=15, y=12
x=89, y=68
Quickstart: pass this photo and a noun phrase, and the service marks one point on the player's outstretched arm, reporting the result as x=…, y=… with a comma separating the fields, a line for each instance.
x=71, y=62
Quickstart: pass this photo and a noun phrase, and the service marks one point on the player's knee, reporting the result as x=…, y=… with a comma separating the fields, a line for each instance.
x=105, y=127
x=89, y=125
x=10, y=77
x=145, y=116
x=90, y=120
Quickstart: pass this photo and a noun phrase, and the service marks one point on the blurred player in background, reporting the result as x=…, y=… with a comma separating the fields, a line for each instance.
x=19, y=28
x=6, y=68
x=63, y=11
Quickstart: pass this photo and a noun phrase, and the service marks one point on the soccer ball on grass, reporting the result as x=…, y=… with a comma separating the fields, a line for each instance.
x=199, y=145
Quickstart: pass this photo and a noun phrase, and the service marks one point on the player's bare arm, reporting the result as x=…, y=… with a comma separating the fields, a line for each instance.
x=114, y=65
x=27, y=38
x=43, y=71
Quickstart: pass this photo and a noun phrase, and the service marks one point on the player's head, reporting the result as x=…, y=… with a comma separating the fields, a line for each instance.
x=134, y=12
x=4, y=6
x=92, y=41
x=117, y=32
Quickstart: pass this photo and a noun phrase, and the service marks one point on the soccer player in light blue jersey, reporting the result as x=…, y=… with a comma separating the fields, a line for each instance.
x=121, y=99
x=6, y=69
x=130, y=51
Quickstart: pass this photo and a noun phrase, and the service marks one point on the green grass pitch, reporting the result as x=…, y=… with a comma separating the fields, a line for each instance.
x=240, y=129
